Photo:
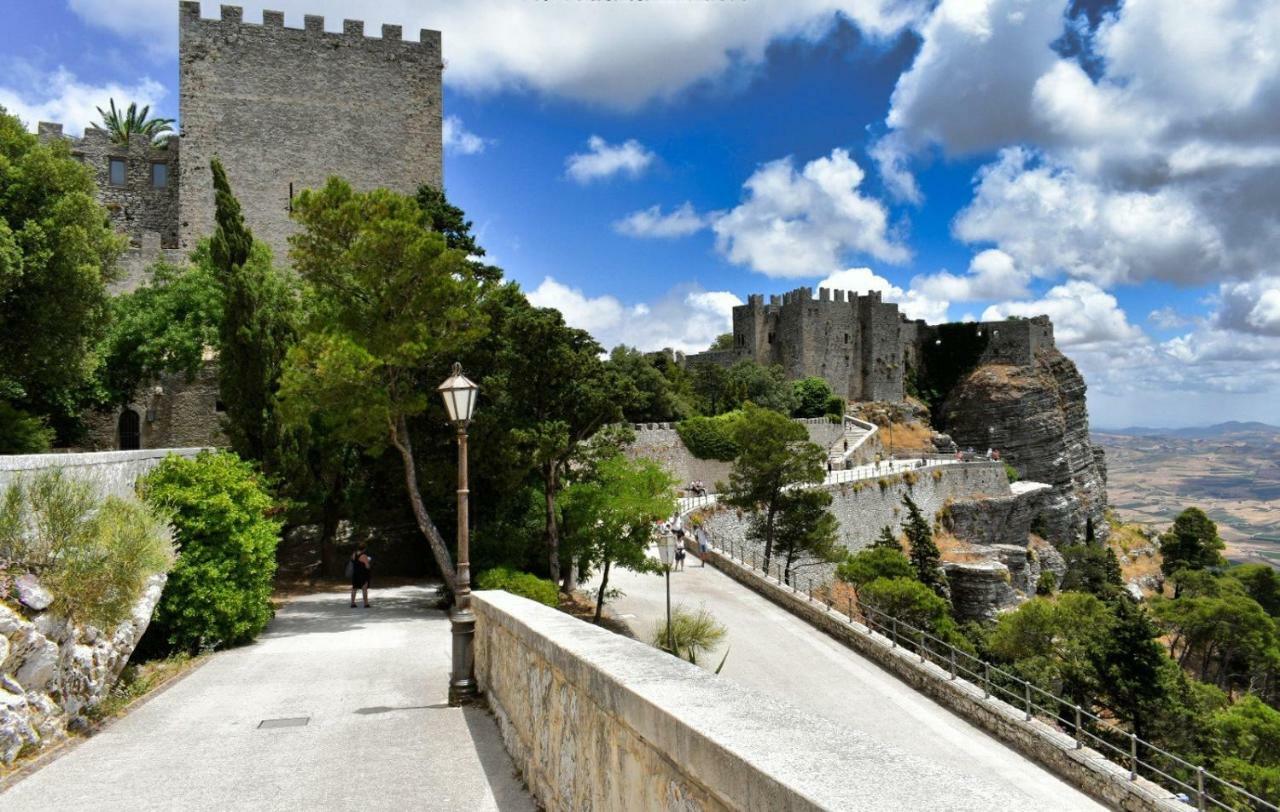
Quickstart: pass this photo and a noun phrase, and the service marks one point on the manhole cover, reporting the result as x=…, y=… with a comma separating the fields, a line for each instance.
x=294, y=721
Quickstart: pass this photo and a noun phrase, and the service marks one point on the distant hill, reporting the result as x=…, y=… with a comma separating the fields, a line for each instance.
x=1232, y=428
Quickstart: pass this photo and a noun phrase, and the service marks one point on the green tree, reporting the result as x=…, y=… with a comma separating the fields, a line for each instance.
x=910, y=602
x=609, y=517
x=811, y=397
x=647, y=394
x=57, y=253
x=388, y=306
x=165, y=326
x=1191, y=543
x=765, y=386
x=450, y=221
x=564, y=395
x=1054, y=643
x=122, y=124
x=1222, y=637
x=887, y=540
x=712, y=390
x=775, y=455
x=804, y=527
x=22, y=433
x=867, y=565
x=1092, y=568
x=724, y=341
x=1248, y=733
x=256, y=330
x=219, y=592
x=1262, y=583
x=924, y=555
x=1129, y=663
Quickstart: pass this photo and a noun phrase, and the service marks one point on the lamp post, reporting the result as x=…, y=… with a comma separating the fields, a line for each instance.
x=667, y=553
x=459, y=396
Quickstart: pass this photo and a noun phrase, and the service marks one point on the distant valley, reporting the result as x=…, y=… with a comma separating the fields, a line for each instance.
x=1230, y=470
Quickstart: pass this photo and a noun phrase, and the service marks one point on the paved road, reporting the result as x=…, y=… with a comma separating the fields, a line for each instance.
x=380, y=735
x=771, y=650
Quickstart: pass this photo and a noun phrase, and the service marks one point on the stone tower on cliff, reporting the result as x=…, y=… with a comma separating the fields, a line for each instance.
x=286, y=108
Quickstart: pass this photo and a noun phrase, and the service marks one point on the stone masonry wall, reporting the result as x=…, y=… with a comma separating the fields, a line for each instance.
x=661, y=442
x=173, y=413
x=285, y=107
x=114, y=473
x=594, y=720
x=863, y=507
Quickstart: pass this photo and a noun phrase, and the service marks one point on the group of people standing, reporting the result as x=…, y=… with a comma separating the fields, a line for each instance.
x=675, y=527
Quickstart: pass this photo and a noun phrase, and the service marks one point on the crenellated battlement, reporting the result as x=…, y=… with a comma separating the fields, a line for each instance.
x=312, y=24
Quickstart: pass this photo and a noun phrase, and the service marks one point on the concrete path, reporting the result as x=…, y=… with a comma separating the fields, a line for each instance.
x=774, y=651
x=372, y=684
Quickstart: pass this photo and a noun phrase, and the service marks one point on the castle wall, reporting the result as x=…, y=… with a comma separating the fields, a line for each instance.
x=285, y=109
x=173, y=413
x=145, y=213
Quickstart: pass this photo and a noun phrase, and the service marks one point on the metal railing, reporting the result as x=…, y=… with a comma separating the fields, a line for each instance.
x=1191, y=782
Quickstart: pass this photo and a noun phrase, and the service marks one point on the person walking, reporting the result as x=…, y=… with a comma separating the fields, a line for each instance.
x=680, y=553
x=360, y=567
x=704, y=543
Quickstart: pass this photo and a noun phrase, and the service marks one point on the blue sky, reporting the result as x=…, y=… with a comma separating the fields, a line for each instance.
x=1112, y=165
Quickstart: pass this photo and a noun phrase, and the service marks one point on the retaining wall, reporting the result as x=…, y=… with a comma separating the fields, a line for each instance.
x=1085, y=768
x=113, y=473
x=594, y=720
x=661, y=443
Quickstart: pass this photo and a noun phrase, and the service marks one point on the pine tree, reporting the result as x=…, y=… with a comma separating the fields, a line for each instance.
x=256, y=332
x=925, y=557
x=887, y=540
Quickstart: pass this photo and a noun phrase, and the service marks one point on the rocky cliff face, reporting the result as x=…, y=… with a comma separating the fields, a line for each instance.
x=52, y=671
x=1035, y=415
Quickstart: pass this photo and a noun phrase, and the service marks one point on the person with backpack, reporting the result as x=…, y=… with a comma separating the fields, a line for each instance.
x=359, y=568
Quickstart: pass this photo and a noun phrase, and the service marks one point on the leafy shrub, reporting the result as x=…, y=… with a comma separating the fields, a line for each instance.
x=710, y=438
x=812, y=395
x=835, y=408
x=524, y=584
x=219, y=592
x=1046, y=583
x=867, y=565
x=95, y=556
x=1011, y=473
x=910, y=602
x=22, y=433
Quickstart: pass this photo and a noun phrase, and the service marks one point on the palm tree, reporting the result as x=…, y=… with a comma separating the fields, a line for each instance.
x=123, y=124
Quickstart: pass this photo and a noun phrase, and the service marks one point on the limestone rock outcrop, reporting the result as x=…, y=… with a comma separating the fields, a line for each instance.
x=1035, y=415
x=52, y=671
x=980, y=589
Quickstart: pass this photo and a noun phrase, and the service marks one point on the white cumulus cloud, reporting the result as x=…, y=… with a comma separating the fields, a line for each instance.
x=604, y=160
x=651, y=222
x=804, y=223
x=618, y=55
x=458, y=139
x=992, y=275
x=686, y=318
x=1084, y=316
x=910, y=302
x=59, y=96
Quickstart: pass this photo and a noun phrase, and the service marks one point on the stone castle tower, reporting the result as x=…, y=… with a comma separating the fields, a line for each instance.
x=284, y=109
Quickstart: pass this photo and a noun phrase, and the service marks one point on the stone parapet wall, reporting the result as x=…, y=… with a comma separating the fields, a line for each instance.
x=114, y=473
x=1084, y=768
x=594, y=720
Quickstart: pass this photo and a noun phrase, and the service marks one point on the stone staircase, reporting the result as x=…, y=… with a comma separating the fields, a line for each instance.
x=856, y=433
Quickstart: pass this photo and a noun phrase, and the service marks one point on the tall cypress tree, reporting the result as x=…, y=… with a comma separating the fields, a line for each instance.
x=925, y=557
x=887, y=540
x=256, y=332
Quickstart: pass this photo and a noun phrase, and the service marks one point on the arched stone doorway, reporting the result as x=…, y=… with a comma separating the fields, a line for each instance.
x=129, y=430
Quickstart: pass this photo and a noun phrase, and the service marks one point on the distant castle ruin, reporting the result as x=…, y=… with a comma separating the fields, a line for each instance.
x=284, y=109
x=863, y=346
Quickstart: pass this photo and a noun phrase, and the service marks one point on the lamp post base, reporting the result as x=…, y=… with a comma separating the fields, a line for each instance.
x=462, y=682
